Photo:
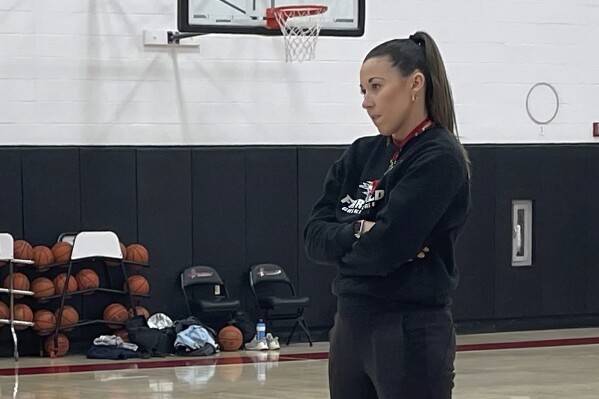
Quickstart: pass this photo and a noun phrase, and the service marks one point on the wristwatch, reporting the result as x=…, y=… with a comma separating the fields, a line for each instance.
x=358, y=228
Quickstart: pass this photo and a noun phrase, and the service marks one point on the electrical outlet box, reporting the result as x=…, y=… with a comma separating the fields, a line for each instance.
x=160, y=38
x=155, y=38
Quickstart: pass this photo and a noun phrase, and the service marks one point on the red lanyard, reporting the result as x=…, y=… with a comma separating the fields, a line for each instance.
x=422, y=126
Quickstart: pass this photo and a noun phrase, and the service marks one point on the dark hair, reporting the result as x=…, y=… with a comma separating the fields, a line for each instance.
x=420, y=52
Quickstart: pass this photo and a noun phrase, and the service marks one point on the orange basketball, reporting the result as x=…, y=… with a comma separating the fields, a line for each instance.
x=20, y=282
x=137, y=253
x=62, y=251
x=69, y=316
x=44, y=320
x=22, y=313
x=43, y=287
x=63, y=346
x=87, y=278
x=23, y=250
x=42, y=255
x=138, y=284
x=123, y=252
x=140, y=311
x=230, y=338
x=4, y=312
x=116, y=312
x=59, y=283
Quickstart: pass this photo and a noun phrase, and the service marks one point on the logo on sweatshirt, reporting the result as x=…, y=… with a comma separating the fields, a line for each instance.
x=371, y=196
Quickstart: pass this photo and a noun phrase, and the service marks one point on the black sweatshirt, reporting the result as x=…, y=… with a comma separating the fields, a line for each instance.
x=423, y=201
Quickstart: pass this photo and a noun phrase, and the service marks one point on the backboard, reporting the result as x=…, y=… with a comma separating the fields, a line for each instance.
x=342, y=18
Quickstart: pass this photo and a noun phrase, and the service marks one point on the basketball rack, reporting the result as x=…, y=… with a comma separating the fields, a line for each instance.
x=7, y=255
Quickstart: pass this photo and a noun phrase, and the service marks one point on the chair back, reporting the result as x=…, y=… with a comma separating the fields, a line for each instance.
x=89, y=244
x=195, y=275
x=266, y=278
x=6, y=247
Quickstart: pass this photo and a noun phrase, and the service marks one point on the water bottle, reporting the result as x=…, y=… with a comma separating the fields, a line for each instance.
x=260, y=330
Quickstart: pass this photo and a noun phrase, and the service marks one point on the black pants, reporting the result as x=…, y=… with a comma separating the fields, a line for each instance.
x=392, y=356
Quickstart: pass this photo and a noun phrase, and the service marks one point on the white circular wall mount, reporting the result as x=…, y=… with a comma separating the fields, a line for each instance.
x=542, y=95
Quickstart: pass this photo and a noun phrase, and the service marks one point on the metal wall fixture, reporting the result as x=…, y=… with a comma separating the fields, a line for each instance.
x=522, y=233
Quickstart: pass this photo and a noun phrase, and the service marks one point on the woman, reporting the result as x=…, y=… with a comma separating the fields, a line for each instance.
x=391, y=212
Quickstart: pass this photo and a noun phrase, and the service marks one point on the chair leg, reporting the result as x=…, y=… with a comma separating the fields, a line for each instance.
x=293, y=330
x=304, y=327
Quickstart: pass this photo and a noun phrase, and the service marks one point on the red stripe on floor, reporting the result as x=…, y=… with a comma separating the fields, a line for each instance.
x=263, y=357
x=528, y=344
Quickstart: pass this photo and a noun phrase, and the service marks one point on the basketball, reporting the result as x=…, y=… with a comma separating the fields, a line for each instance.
x=42, y=255
x=138, y=285
x=63, y=346
x=123, y=334
x=140, y=311
x=4, y=312
x=22, y=313
x=23, y=250
x=123, y=252
x=20, y=282
x=69, y=316
x=44, y=320
x=87, y=278
x=230, y=338
x=59, y=283
x=43, y=287
x=116, y=312
x=62, y=251
x=137, y=253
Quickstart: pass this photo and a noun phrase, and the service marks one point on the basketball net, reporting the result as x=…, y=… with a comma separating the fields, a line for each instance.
x=300, y=27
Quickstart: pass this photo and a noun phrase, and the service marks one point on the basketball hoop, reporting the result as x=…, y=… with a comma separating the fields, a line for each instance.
x=299, y=27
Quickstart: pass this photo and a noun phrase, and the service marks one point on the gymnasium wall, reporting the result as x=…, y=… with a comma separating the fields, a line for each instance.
x=75, y=72
x=231, y=207
x=216, y=155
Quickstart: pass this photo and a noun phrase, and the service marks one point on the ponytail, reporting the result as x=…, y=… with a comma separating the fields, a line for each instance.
x=420, y=52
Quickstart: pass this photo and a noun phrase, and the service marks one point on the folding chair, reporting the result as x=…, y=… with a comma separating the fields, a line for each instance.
x=206, y=294
x=276, y=298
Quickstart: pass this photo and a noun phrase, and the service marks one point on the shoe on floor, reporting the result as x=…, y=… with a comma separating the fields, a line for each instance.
x=273, y=342
x=256, y=345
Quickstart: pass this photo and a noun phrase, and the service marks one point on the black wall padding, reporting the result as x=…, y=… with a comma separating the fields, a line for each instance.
x=518, y=290
x=219, y=215
x=231, y=207
x=164, y=223
x=314, y=280
x=271, y=208
x=11, y=199
x=590, y=190
x=109, y=191
x=562, y=229
x=51, y=193
x=474, y=298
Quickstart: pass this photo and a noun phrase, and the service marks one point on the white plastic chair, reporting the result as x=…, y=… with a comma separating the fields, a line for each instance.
x=92, y=244
x=7, y=255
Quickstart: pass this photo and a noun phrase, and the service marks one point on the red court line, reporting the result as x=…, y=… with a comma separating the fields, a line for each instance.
x=209, y=361
x=528, y=344
x=144, y=364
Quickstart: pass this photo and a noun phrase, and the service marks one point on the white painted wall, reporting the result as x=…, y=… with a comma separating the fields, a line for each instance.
x=76, y=72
